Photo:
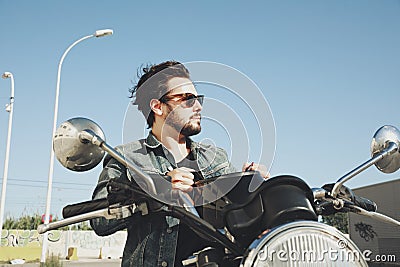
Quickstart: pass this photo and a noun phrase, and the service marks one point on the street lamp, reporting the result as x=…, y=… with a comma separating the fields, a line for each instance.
x=9, y=109
x=99, y=33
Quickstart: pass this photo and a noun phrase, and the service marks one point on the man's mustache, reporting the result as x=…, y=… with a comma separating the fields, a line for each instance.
x=197, y=116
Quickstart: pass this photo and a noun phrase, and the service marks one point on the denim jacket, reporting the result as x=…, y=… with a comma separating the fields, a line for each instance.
x=152, y=242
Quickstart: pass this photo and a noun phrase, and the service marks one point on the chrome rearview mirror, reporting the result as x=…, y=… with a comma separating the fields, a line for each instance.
x=72, y=150
x=385, y=151
x=79, y=145
x=383, y=138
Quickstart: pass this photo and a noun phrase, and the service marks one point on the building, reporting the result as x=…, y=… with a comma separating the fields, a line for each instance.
x=380, y=241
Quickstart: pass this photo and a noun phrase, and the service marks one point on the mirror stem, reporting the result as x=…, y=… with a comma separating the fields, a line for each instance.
x=89, y=135
x=391, y=148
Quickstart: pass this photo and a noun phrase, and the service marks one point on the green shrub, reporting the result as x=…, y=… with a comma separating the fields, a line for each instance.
x=52, y=261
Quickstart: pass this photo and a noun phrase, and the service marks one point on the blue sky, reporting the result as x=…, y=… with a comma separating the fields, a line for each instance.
x=328, y=69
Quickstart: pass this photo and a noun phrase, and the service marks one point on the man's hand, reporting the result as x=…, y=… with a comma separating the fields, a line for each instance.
x=262, y=169
x=182, y=178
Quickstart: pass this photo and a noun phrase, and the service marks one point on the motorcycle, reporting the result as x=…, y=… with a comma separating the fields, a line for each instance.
x=259, y=222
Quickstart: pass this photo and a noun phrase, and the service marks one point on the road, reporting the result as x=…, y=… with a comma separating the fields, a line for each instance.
x=78, y=263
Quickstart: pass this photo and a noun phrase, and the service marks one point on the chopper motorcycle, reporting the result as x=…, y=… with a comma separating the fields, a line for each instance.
x=235, y=222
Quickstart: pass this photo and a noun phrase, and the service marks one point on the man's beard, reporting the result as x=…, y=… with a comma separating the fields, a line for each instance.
x=187, y=129
x=190, y=129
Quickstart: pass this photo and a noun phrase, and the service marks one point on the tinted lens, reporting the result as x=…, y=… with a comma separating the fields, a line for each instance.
x=187, y=100
x=200, y=98
x=191, y=100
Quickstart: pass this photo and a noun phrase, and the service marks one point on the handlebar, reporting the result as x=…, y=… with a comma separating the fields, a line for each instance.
x=344, y=195
x=328, y=205
x=375, y=215
x=79, y=212
x=365, y=203
x=84, y=207
x=111, y=212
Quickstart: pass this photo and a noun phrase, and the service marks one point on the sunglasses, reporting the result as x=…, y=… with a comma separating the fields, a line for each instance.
x=187, y=100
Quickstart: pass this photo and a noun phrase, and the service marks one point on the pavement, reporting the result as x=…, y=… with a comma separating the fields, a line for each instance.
x=77, y=263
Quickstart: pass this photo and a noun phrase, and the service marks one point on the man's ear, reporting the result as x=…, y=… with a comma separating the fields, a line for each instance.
x=155, y=106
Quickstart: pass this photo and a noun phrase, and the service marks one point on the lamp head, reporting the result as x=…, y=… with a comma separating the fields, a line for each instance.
x=6, y=75
x=105, y=32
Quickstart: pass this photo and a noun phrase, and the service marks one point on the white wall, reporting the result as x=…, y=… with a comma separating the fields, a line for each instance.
x=88, y=244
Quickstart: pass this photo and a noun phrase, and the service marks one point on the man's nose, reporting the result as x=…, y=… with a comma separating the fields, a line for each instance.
x=197, y=106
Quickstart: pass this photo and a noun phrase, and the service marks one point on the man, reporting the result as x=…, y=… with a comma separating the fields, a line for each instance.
x=172, y=107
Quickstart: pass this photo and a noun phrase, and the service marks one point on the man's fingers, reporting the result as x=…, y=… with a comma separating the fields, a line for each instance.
x=262, y=169
x=181, y=186
x=245, y=166
x=183, y=180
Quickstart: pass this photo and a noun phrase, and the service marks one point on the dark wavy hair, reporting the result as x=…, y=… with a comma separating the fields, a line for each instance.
x=151, y=86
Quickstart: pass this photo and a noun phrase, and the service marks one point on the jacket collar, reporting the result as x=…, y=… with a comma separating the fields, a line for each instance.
x=152, y=142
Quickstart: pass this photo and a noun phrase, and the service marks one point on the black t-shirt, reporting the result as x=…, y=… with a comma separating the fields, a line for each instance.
x=191, y=162
x=188, y=241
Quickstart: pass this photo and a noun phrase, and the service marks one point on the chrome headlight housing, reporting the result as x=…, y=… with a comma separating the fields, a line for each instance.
x=304, y=243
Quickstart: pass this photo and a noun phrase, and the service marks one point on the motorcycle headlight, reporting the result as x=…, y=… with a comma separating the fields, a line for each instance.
x=304, y=243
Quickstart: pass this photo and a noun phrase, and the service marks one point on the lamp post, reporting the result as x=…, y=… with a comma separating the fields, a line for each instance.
x=99, y=33
x=9, y=109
